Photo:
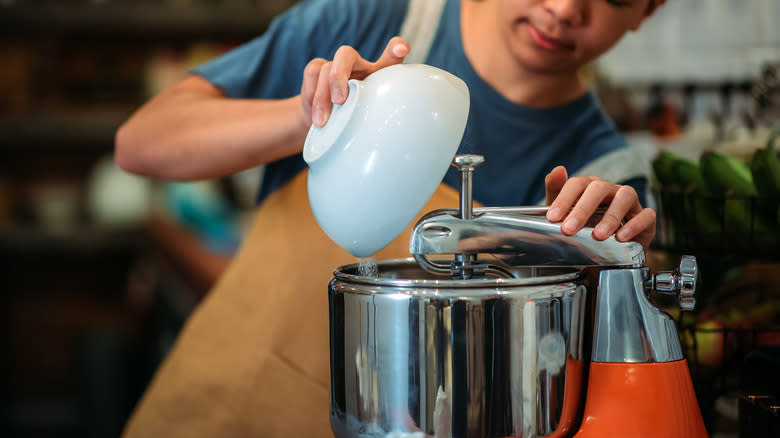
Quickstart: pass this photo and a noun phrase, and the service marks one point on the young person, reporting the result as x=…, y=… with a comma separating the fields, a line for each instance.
x=253, y=358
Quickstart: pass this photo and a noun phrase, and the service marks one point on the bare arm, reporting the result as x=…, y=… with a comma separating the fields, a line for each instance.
x=192, y=131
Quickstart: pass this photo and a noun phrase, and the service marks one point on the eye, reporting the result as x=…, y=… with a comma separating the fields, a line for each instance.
x=619, y=3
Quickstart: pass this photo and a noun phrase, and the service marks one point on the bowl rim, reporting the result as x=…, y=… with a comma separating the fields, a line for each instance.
x=341, y=120
x=569, y=274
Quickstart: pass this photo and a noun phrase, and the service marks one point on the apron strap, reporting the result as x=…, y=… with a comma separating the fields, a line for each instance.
x=419, y=27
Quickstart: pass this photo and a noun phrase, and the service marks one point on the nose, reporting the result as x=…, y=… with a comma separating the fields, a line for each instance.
x=570, y=12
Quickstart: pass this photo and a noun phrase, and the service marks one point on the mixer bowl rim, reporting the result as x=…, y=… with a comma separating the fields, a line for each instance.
x=339, y=274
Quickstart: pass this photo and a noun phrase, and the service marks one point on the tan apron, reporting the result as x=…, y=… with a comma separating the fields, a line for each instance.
x=253, y=359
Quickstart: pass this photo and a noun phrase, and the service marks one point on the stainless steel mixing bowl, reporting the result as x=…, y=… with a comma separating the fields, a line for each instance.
x=414, y=354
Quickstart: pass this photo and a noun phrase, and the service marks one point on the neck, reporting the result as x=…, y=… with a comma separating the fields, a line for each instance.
x=500, y=69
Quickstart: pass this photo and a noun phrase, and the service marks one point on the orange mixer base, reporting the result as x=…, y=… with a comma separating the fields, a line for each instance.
x=641, y=400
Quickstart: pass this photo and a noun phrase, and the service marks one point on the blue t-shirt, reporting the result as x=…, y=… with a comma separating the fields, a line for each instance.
x=520, y=144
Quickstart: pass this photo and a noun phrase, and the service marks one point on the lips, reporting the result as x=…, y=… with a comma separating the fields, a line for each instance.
x=547, y=41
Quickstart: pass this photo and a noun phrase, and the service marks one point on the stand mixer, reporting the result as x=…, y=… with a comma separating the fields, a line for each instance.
x=500, y=325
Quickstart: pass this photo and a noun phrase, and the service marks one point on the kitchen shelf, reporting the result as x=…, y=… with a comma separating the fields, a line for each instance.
x=89, y=130
x=138, y=22
x=88, y=240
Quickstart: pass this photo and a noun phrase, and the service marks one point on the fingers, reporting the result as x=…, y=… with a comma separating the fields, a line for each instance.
x=595, y=193
x=395, y=51
x=553, y=183
x=327, y=82
x=640, y=228
x=311, y=75
x=625, y=203
x=348, y=64
x=579, y=198
x=567, y=197
x=321, y=105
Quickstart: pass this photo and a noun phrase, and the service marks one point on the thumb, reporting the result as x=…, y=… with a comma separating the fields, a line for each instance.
x=553, y=183
x=397, y=48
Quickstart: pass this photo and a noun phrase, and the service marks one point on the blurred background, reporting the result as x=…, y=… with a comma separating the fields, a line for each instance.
x=99, y=269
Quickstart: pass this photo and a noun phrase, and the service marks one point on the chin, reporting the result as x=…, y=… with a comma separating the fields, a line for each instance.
x=551, y=68
x=545, y=65
x=538, y=60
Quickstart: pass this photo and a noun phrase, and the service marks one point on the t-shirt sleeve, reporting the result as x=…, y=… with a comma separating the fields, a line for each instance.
x=609, y=157
x=271, y=65
x=640, y=184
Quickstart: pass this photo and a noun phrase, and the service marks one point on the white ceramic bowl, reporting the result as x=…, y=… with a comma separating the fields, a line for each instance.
x=381, y=155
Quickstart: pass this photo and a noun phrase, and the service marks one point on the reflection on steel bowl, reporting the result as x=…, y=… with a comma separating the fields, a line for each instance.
x=412, y=353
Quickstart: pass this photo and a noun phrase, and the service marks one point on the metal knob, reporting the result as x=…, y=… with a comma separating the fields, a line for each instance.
x=680, y=281
x=466, y=164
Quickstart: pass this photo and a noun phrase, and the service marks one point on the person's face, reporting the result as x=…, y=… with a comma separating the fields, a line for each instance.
x=562, y=35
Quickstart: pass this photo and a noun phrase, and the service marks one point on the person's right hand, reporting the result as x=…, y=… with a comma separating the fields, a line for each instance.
x=325, y=82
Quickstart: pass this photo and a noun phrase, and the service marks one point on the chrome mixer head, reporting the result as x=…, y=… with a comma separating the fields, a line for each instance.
x=512, y=236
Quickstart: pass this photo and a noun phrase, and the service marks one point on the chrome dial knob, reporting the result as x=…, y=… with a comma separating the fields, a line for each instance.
x=680, y=281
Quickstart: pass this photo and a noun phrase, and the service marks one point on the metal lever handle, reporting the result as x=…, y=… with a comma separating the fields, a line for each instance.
x=466, y=164
x=680, y=281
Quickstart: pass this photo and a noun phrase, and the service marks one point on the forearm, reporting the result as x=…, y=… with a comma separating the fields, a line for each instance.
x=191, y=132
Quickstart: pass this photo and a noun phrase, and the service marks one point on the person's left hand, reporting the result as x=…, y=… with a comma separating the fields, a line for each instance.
x=581, y=196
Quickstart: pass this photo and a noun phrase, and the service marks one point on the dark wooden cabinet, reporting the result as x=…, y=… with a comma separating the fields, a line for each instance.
x=88, y=311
